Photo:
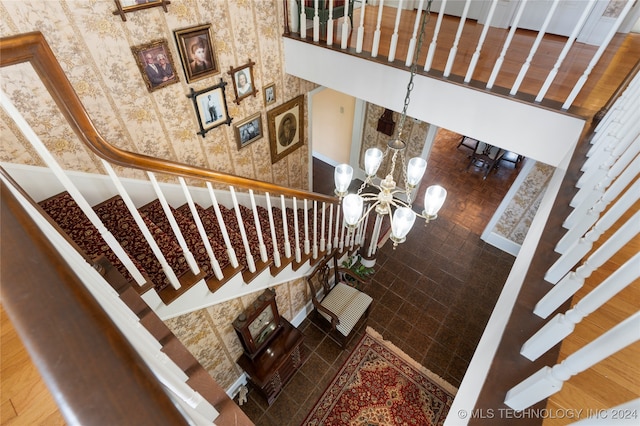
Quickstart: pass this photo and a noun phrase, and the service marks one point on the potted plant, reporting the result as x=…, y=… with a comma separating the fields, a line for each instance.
x=354, y=264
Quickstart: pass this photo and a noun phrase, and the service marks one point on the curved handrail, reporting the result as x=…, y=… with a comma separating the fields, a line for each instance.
x=32, y=47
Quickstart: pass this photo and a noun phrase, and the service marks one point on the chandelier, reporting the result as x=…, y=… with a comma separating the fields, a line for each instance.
x=383, y=197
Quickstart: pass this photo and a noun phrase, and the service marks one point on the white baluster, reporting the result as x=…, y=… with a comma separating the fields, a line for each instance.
x=330, y=227
x=342, y=245
x=610, y=148
x=233, y=259
x=596, y=57
x=48, y=159
x=534, y=48
x=285, y=228
x=573, y=281
x=376, y=33
x=615, y=129
x=191, y=261
x=330, y=24
x=434, y=41
x=166, y=268
x=360, y=37
x=323, y=242
x=414, y=36
x=597, y=192
x=215, y=265
x=394, y=37
x=315, y=229
x=307, y=245
x=256, y=219
x=582, y=246
x=630, y=196
x=251, y=264
x=454, y=49
x=296, y=231
x=549, y=380
x=345, y=26
x=303, y=21
x=373, y=244
x=505, y=47
x=483, y=35
x=336, y=238
x=565, y=50
x=563, y=324
x=147, y=346
x=622, y=103
x=316, y=22
x=274, y=239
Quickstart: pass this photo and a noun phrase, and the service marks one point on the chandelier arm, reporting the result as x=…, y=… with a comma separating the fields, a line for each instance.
x=396, y=202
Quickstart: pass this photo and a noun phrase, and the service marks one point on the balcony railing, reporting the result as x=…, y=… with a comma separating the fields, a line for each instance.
x=490, y=52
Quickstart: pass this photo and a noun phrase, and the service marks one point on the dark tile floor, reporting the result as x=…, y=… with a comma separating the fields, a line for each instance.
x=432, y=295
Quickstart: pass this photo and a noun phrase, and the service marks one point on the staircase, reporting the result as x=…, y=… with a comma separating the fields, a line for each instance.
x=119, y=221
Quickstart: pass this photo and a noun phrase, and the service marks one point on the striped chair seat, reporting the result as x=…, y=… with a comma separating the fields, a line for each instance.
x=348, y=303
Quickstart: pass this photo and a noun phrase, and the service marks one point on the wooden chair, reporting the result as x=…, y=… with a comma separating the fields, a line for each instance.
x=486, y=157
x=323, y=11
x=340, y=309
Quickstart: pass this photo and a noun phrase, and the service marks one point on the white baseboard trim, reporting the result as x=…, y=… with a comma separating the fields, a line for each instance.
x=501, y=243
x=327, y=160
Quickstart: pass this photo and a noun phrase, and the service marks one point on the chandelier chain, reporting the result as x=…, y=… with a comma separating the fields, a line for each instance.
x=413, y=69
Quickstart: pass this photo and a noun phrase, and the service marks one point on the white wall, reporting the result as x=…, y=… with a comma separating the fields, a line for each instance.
x=533, y=132
x=331, y=125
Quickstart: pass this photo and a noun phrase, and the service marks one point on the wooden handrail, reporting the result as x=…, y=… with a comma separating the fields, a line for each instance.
x=33, y=47
x=95, y=375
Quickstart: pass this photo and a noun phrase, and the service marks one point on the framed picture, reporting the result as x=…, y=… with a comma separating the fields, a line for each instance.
x=196, y=52
x=156, y=64
x=249, y=130
x=269, y=92
x=126, y=6
x=243, y=83
x=211, y=107
x=286, y=131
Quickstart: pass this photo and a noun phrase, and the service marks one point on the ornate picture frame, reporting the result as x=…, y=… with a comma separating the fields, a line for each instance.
x=269, y=94
x=249, y=130
x=211, y=107
x=286, y=128
x=156, y=64
x=126, y=6
x=197, y=54
x=243, y=82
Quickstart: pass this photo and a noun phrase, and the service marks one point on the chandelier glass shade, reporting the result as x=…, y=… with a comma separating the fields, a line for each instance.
x=383, y=196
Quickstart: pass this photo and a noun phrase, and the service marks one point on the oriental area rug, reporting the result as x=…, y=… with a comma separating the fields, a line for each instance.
x=380, y=385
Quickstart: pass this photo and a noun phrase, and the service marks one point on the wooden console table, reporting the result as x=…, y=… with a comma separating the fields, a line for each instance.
x=276, y=363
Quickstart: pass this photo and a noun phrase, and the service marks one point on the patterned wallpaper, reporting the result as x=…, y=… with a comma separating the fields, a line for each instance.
x=414, y=134
x=210, y=337
x=516, y=219
x=94, y=48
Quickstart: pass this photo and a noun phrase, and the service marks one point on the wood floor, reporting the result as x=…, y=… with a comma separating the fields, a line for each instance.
x=25, y=400
x=616, y=62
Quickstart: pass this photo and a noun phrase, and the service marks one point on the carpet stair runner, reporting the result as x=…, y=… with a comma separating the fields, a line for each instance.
x=119, y=221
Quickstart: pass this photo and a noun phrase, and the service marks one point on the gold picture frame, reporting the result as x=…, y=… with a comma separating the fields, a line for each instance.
x=156, y=73
x=249, y=130
x=197, y=53
x=269, y=94
x=286, y=128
